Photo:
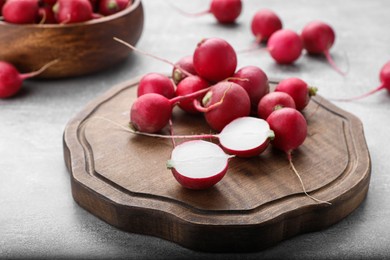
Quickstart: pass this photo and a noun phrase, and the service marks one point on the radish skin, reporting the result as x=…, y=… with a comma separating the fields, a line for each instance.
x=298, y=90
x=223, y=103
x=20, y=12
x=285, y=46
x=272, y=101
x=264, y=23
x=318, y=37
x=255, y=84
x=187, y=86
x=214, y=59
x=156, y=83
x=186, y=63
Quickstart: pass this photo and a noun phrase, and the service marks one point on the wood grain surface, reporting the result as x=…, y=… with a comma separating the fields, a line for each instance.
x=122, y=179
x=81, y=48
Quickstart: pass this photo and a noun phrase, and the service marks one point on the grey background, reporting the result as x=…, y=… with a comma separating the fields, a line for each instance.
x=38, y=216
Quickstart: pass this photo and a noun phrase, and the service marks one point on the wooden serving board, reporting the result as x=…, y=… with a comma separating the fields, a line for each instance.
x=122, y=179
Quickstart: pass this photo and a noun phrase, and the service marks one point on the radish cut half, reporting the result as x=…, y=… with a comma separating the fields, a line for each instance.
x=246, y=136
x=198, y=164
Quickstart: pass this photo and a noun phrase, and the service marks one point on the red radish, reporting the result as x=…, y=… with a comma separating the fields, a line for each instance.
x=272, y=101
x=108, y=7
x=11, y=80
x=156, y=83
x=290, y=130
x=384, y=77
x=285, y=46
x=74, y=11
x=298, y=90
x=198, y=164
x=187, y=86
x=151, y=112
x=20, y=11
x=185, y=63
x=254, y=81
x=264, y=23
x=225, y=11
x=215, y=59
x=223, y=103
x=318, y=37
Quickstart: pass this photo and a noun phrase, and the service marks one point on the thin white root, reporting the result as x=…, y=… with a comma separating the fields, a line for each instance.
x=303, y=186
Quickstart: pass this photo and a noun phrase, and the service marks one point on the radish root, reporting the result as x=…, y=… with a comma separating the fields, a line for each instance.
x=300, y=180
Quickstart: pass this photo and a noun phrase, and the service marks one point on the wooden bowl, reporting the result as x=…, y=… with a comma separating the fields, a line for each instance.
x=81, y=48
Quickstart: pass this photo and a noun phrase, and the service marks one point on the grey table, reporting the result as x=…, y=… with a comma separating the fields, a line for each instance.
x=38, y=216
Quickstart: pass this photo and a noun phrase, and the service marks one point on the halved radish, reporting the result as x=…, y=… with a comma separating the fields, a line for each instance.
x=198, y=164
x=246, y=136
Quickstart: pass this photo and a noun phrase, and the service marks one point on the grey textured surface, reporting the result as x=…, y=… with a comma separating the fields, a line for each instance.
x=38, y=217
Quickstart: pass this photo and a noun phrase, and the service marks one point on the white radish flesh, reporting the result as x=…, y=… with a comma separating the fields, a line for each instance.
x=246, y=136
x=198, y=164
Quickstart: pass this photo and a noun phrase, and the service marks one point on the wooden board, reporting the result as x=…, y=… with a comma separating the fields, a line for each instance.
x=122, y=179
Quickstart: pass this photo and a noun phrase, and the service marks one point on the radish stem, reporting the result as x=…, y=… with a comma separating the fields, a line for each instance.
x=153, y=56
x=35, y=73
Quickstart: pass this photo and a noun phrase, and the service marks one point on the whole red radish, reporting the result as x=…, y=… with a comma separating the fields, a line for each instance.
x=214, y=59
x=272, y=101
x=225, y=11
x=264, y=23
x=185, y=63
x=151, y=112
x=20, y=11
x=156, y=83
x=384, y=77
x=108, y=7
x=254, y=81
x=290, y=129
x=318, y=37
x=73, y=11
x=298, y=90
x=11, y=79
x=198, y=164
x=285, y=46
x=223, y=103
x=187, y=86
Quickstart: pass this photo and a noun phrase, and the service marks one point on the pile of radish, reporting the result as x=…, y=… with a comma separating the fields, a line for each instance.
x=58, y=11
x=232, y=101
